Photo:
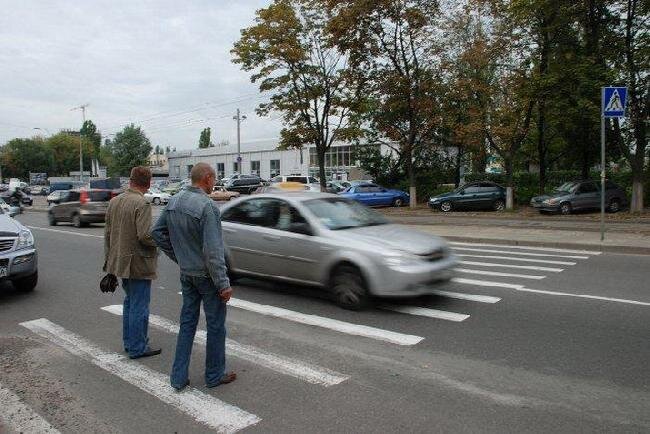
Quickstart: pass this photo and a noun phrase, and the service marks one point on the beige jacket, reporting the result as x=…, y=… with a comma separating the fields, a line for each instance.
x=129, y=250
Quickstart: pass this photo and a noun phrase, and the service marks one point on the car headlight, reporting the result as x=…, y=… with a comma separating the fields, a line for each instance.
x=551, y=201
x=401, y=260
x=25, y=240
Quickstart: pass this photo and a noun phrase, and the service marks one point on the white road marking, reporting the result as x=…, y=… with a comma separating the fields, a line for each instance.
x=284, y=365
x=204, y=408
x=509, y=258
x=65, y=232
x=520, y=267
x=548, y=255
x=592, y=297
x=471, y=297
x=20, y=417
x=327, y=323
x=486, y=283
x=541, y=249
x=497, y=273
x=430, y=313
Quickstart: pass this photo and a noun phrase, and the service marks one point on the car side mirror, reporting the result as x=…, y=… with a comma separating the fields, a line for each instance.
x=300, y=228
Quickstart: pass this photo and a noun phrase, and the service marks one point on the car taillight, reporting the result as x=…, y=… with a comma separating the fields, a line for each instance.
x=83, y=197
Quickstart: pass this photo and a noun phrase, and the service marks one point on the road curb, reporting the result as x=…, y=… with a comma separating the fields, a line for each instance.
x=634, y=250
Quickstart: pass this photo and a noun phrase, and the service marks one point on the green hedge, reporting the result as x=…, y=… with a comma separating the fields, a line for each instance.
x=526, y=184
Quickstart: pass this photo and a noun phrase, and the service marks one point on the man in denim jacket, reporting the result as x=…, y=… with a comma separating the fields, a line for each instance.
x=189, y=232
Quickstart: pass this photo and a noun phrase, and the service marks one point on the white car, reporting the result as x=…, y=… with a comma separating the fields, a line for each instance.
x=156, y=197
x=311, y=182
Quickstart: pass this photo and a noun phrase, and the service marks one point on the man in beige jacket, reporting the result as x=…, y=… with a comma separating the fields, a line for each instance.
x=130, y=254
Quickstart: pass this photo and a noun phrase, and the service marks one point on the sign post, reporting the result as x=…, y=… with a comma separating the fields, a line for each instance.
x=612, y=106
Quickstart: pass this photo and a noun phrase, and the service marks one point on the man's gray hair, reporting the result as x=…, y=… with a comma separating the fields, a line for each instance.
x=200, y=171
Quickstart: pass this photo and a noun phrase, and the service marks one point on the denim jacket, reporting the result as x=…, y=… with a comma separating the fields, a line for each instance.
x=189, y=232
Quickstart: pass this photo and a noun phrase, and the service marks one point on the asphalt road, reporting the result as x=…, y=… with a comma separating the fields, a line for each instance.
x=561, y=345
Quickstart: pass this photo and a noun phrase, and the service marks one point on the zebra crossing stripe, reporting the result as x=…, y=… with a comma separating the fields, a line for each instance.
x=204, y=408
x=429, y=313
x=510, y=258
x=533, y=248
x=519, y=267
x=327, y=323
x=510, y=252
x=284, y=365
x=499, y=274
x=20, y=417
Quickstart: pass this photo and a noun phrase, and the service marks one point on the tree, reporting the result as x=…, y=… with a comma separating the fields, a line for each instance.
x=89, y=132
x=65, y=152
x=167, y=150
x=128, y=149
x=311, y=81
x=393, y=42
x=635, y=64
x=21, y=156
x=204, y=139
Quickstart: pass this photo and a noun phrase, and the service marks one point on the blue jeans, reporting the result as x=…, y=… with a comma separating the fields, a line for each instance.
x=195, y=290
x=135, y=315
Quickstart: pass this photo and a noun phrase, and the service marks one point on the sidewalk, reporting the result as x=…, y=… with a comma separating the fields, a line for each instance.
x=624, y=233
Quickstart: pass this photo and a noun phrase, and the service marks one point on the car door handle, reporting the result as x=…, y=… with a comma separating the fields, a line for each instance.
x=271, y=237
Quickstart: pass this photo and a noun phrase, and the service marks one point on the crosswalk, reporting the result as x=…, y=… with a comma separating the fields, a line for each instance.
x=486, y=270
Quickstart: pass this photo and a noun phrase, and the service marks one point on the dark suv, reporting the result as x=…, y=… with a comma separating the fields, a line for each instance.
x=81, y=207
x=580, y=195
x=478, y=195
x=244, y=185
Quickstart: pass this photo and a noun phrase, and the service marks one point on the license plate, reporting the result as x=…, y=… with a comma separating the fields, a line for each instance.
x=3, y=271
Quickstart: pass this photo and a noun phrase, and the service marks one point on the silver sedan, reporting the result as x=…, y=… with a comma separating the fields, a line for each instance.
x=332, y=242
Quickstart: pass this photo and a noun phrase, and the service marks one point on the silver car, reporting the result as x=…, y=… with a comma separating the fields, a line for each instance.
x=18, y=257
x=332, y=242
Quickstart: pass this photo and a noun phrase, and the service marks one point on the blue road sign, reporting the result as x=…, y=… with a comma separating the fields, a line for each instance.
x=613, y=103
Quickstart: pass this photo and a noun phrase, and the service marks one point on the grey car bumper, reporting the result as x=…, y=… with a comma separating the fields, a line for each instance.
x=412, y=281
x=19, y=263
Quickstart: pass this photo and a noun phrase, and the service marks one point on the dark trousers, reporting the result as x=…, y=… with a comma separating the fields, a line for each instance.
x=135, y=315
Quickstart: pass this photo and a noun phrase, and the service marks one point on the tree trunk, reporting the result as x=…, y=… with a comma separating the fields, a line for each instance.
x=410, y=172
x=636, y=205
x=508, y=163
x=321, y=150
x=459, y=163
x=542, y=149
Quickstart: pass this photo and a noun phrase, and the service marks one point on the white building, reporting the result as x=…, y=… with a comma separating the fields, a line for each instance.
x=264, y=159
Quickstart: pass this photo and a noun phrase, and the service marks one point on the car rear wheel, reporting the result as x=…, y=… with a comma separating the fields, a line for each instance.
x=76, y=221
x=349, y=289
x=614, y=205
x=398, y=202
x=156, y=201
x=446, y=206
x=499, y=205
x=565, y=208
x=50, y=219
x=26, y=284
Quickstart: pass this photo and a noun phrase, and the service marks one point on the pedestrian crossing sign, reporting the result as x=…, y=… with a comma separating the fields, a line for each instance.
x=614, y=102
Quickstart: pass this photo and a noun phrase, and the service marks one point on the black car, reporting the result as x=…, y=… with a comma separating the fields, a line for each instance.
x=474, y=196
x=244, y=185
x=580, y=195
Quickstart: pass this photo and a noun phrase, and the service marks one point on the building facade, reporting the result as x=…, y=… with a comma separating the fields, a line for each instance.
x=263, y=158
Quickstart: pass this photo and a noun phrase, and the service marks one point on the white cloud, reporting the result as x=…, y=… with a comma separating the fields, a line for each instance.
x=165, y=65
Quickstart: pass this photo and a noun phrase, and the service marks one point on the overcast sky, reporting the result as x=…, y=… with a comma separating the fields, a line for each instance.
x=164, y=65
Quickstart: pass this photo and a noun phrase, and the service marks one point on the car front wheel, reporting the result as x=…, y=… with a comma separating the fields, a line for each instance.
x=446, y=206
x=614, y=205
x=76, y=221
x=156, y=201
x=565, y=208
x=26, y=284
x=51, y=220
x=499, y=205
x=398, y=202
x=349, y=289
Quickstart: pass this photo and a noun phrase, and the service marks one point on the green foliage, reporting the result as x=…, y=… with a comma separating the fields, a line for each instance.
x=130, y=148
x=204, y=139
x=65, y=153
x=90, y=133
x=21, y=156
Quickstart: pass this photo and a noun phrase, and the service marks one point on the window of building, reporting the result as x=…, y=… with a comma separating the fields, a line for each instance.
x=235, y=167
x=189, y=169
x=275, y=168
x=221, y=170
x=255, y=167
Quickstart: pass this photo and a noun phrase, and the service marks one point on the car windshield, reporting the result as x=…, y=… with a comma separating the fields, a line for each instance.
x=338, y=213
x=567, y=186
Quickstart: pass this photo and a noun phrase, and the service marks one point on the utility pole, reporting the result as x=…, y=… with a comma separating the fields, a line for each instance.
x=81, y=161
x=239, y=118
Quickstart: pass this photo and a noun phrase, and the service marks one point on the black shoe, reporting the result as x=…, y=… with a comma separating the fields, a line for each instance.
x=147, y=353
x=180, y=388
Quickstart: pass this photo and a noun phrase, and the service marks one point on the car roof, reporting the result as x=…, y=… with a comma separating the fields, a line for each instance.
x=296, y=196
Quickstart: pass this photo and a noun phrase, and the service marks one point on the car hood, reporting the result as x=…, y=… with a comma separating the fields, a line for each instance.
x=443, y=195
x=9, y=227
x=395, y=237
x=555, y=194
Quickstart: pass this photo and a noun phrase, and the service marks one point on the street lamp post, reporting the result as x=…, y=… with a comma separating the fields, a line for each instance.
x=81, y=161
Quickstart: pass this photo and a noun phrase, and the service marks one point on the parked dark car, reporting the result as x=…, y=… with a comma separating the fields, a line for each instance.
x=474, y=196
x=81, y=207
x=375, y=195
x=244, y=185
x=580, y=195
